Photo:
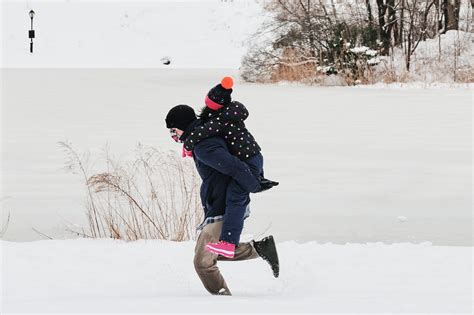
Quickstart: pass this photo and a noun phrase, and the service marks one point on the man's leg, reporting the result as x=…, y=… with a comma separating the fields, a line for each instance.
x=205, y=262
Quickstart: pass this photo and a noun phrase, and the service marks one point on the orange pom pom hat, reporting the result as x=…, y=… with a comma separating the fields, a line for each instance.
x=220, y=95
x=227, y=83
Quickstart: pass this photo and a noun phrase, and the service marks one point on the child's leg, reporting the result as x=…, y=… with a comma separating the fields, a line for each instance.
x=237, y=201
x=255, y=164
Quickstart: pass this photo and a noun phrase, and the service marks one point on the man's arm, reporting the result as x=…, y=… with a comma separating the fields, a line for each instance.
x=214, y=153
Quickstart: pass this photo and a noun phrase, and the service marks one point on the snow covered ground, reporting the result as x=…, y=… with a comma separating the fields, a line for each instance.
x=157, y=276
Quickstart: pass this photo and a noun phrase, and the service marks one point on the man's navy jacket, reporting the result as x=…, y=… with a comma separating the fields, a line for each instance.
x=217, y=167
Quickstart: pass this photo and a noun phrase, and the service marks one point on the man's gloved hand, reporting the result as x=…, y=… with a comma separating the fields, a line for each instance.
x=266, y=184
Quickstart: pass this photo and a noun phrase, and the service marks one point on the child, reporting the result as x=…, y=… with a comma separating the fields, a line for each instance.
x=224, y=117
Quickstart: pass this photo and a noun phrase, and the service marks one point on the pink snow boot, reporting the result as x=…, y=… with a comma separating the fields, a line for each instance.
x=222, y=248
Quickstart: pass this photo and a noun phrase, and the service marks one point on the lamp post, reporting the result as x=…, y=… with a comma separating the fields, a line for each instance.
x=31, y=33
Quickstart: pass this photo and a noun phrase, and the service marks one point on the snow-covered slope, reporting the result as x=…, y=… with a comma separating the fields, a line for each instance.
x=157, y=276
x=124, y=34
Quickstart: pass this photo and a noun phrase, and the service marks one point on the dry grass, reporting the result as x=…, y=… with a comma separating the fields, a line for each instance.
x=154, y=196
x=294, y=67
x=295, y=73
x=4, y=227
x=465, y=75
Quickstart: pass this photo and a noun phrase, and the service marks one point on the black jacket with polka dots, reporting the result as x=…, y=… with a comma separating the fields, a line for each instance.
x=228, y=123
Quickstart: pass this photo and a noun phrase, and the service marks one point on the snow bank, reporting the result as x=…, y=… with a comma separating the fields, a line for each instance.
x=439, y=60
x=157, y=276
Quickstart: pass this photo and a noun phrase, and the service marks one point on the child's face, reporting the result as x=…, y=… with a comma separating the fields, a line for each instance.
x=176, y=134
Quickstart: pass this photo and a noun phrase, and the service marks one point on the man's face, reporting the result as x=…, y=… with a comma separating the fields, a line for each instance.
x=175, y=134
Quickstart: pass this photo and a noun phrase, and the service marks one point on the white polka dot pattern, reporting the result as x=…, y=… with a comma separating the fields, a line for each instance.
x=230, y=123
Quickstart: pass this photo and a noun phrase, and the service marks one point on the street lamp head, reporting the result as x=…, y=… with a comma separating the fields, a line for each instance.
x=32, y=14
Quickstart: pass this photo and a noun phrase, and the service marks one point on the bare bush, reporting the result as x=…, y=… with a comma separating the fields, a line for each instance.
x=154, y=196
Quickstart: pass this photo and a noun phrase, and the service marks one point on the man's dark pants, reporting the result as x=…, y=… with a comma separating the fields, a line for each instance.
x=205, y=262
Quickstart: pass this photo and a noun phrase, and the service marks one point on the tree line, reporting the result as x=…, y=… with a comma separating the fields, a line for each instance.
x=307, y=36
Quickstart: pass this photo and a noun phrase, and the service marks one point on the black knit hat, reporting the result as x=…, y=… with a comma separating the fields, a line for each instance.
x=180, y=117
x=220, y=94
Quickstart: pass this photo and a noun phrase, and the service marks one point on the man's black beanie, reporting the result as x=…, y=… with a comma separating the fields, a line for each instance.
x=180, y=117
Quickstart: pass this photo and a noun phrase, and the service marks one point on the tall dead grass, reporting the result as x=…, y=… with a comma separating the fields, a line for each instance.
x=4, y=227
x=153, y=196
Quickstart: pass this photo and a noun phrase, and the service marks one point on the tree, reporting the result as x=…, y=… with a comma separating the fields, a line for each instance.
x=387, y=23
x=369, y=12
x=451, y=14
x=415, y=25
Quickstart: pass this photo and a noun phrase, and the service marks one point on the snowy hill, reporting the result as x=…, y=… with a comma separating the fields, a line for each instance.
x=157, y=276
x=128, y=34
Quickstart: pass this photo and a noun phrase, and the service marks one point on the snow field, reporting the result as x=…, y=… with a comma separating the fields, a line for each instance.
x=158, y=276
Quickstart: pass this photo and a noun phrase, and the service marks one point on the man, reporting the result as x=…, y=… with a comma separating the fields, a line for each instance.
x=217, y=169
